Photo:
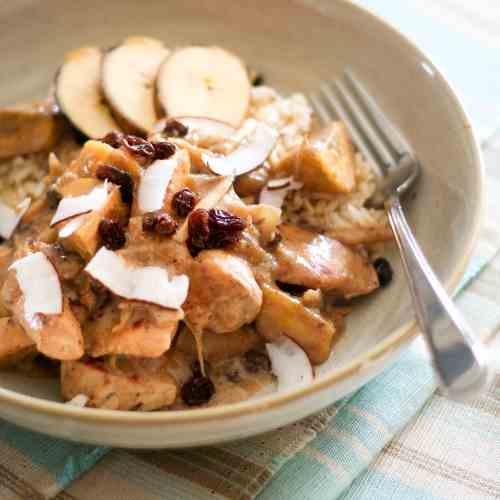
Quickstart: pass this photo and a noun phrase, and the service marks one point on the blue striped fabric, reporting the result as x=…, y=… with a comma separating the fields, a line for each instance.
x=362, y=428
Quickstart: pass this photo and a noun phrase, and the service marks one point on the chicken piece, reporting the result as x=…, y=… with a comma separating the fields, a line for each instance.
x=223, y=294
x=146, y=249
x=68, y=265
x=77, y=187
x=85, y=239
x=127, y=388
x=316, y=261
x=28, y=129
x=362, y=235
x=216, y=346
x=6, y=258
x=95, y=153
x=58, y=336
x=15, y=343
x=143, y=330
x=324, y=162
x=282, y=314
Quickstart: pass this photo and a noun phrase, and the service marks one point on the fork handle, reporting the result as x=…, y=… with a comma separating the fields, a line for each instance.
x=459, y=357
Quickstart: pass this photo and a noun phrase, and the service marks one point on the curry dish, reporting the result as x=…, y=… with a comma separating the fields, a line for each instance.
x=176, y=234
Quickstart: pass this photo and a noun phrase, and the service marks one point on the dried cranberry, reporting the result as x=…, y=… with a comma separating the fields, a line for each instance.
x=198, y=231
x=113, y=139
x=163, y=150
x=256, y=361
x=184, y=201
x=118, y=177
x=197, y=391
x=384, y=271
x=225, y=228
x=159, y=222
x=165, y=225
x=174, y=128
x=53, y=198
x=140, y=148
x=112, y=234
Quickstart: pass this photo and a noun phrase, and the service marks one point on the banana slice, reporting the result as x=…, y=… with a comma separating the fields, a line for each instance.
x=79, y=96
x=128, y=77
x=204, y=81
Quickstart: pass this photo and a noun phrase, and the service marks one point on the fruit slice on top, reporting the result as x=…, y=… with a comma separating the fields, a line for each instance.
x=78, y=93
x=128, y=77
x=204, y=81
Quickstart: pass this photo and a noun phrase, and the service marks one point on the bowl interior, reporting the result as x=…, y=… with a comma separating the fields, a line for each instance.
x=295, y=45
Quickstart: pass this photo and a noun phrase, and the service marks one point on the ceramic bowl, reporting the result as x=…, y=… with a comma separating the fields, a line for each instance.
x=295, y=45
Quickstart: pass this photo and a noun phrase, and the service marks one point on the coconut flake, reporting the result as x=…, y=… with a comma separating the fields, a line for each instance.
x=80, y=401
x=154, y=183
x=207, y=127
x=10, y=217
x=77, y=205
x=252, y=152
x=72, y=226
x=275, y=192
x=289, y=363
x=40, y=285
x=149, y=283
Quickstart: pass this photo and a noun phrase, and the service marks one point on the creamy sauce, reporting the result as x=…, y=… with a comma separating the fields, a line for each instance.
x=234, y=381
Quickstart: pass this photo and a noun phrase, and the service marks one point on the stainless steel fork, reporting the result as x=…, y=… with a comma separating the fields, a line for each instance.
x=459, y=357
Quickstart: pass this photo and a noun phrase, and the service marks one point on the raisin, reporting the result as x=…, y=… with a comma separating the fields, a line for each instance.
x=184, y=201
x=112, y=234
x=197, y=391
x=198, y=231
x=296, y=290
x=118, y=177
x=174, y=128
x=149, y=222
x=113, y=139
x=384, y=271
x=258, y=80
x=53, y=198
x=256, y=361
x=225, y=228
x=159, y=222
x=140, y=148
x=163, y=150
x=213, y=229
x=165, y=225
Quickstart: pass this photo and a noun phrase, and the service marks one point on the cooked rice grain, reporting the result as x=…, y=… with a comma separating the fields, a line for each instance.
x=22, y=176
